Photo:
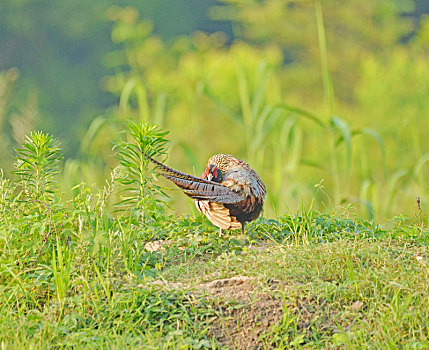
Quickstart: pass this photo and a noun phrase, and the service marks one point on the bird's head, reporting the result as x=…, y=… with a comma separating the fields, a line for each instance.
x=212, y=173
x=218, y=165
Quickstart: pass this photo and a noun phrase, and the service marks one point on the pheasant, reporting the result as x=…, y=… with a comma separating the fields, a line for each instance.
x=229, y=192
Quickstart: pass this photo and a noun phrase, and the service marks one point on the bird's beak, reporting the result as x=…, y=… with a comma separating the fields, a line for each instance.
x=210, y=177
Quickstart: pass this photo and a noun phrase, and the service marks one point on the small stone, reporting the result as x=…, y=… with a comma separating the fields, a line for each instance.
x=156, y=246
x=357, y=305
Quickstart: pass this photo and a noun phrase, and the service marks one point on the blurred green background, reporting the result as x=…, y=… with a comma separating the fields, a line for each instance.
x=328, y=100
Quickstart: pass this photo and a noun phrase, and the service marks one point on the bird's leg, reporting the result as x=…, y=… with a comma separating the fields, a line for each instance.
x=220, y=232
x=242, y=227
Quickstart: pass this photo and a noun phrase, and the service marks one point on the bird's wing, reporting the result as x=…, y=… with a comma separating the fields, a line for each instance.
x=245, y=181
x=218, y=215
x=197, y=188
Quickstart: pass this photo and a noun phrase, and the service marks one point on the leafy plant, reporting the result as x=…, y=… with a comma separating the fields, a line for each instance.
x=139, y=192
x=37, y=164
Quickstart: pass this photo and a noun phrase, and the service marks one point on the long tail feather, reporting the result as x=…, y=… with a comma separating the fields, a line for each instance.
x=165, y=170
x=198, y=188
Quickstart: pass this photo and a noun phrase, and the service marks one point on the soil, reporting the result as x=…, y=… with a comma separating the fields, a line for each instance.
x=247, y=312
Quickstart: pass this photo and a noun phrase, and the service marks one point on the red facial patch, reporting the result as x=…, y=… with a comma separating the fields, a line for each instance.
x=206, y=172
x=215, y=173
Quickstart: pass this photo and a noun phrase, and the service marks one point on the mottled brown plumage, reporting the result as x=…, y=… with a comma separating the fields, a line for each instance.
x=229, y=192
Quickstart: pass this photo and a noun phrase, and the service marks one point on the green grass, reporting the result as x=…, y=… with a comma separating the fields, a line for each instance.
x=331, y=278
x=73, y=297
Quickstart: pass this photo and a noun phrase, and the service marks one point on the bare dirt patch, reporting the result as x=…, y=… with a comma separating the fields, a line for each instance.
x=246, y=313
x=250, y=313
x=246, y=310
